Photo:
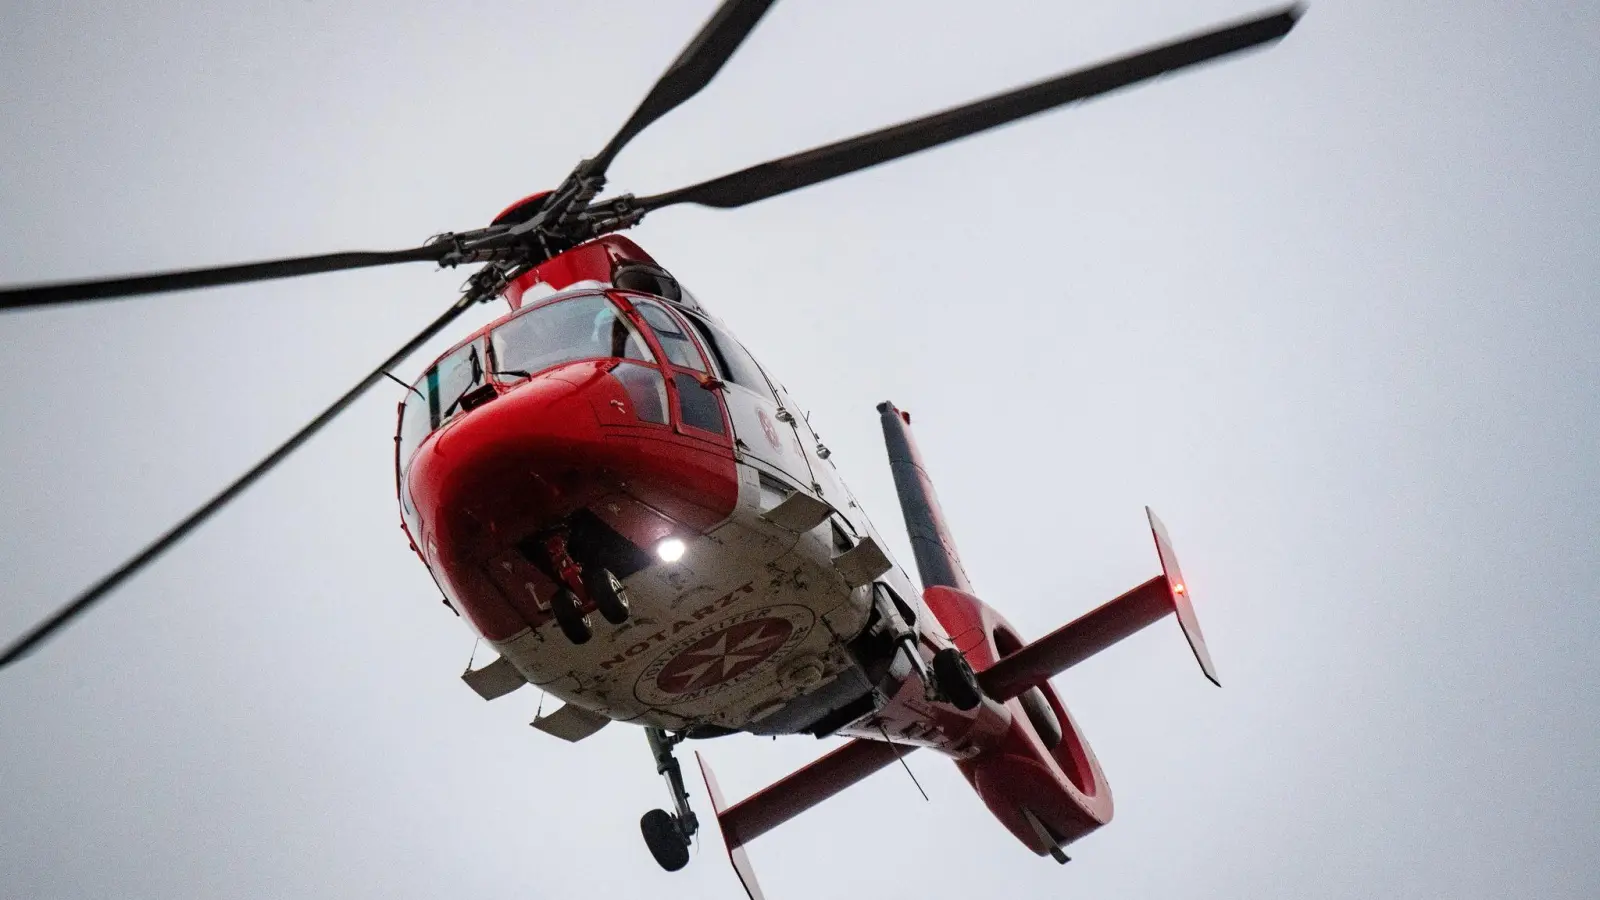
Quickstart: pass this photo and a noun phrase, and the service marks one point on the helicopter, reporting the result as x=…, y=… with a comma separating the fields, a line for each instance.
x=621, y=501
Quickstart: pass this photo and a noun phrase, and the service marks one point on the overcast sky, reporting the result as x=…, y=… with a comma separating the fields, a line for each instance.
x=1329, y=308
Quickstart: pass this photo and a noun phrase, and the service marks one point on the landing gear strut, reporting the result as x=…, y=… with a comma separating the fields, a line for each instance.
x=668, y=834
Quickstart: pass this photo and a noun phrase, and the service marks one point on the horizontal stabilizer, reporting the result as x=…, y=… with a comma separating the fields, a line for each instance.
x=792, y=795
x=1083, y=637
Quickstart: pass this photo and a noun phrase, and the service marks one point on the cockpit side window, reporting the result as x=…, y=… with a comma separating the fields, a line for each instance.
x=414, y=426
x=436, y=398
x=583, y=327
x=698, y=404
x=678, y=346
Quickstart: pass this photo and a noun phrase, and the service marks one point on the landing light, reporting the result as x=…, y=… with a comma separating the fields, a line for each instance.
x=1176, y=589
x=670, y=550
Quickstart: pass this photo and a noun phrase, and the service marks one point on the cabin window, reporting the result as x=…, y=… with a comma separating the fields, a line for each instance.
x=737, y=365
x=699, y=407
x=678, y=346
x=583, y=327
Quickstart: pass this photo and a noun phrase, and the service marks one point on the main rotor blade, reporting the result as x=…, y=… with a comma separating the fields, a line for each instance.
x=81, y=604
x=853, y=154
x=690, y=72
x=187, y=279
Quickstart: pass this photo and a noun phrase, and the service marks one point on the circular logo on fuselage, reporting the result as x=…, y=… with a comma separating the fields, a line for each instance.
x=722, y=655
x=770, y=429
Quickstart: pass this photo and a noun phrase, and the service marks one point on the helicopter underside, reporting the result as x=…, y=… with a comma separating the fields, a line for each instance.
x=558, y=473
x=748, y=625
x=765, y=617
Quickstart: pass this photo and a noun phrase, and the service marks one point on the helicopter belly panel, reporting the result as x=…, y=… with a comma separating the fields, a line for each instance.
x=751, y=617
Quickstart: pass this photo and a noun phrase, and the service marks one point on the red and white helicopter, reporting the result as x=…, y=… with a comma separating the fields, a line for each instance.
x=608, y=447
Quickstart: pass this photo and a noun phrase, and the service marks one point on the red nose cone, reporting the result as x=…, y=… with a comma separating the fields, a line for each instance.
x=502, y=470
x=559, y=451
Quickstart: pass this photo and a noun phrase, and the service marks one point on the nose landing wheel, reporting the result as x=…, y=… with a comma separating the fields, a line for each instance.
x=668, y=834
x=579, y=588
x=608, y=594
x=569, y=614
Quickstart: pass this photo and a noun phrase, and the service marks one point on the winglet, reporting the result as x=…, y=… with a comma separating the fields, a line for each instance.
x=1178, y=589
x=736, y=853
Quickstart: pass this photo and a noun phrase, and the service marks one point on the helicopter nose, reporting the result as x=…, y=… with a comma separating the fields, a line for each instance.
x=563, y=451
x=505, y=467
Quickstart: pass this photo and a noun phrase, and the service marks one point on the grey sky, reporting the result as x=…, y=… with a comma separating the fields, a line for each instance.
x=1330, y=309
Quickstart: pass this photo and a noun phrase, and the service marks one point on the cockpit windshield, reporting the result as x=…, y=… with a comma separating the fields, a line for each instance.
x=583, y=327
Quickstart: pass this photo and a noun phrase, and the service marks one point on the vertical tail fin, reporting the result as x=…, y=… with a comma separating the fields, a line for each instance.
x=1178, y=591
x=736, y=852
x=937, y=560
